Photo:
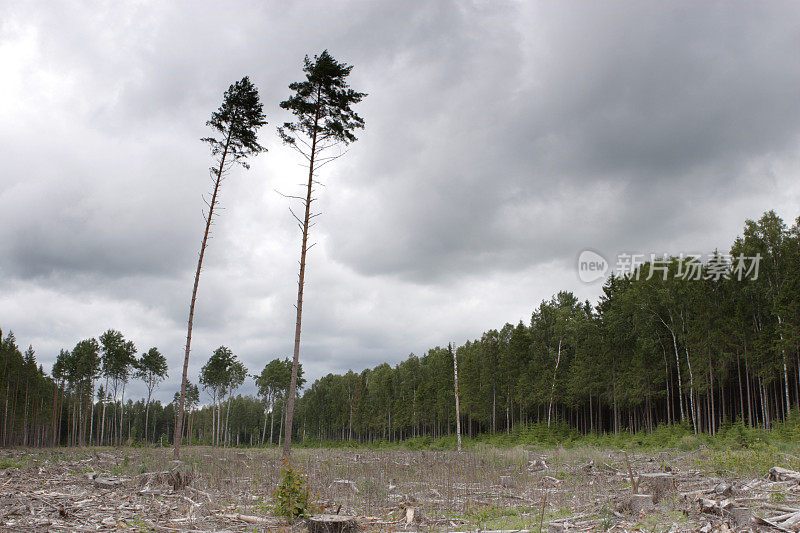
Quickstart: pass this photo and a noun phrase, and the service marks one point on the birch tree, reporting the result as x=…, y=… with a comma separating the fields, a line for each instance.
x=152, y=369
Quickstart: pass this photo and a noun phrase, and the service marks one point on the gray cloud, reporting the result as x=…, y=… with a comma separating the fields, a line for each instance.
x=636, y=108
x=501, y=140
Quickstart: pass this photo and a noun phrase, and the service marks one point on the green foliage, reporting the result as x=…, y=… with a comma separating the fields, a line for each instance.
x=237, y=121
x=754, y=461
x=321, y=103
x=790, y=430
x=9, y=463
x=661, y=353
x=292, y=497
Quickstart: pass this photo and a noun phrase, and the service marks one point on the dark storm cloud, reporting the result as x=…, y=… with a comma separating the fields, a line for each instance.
x=602, y=108
x=501, y=139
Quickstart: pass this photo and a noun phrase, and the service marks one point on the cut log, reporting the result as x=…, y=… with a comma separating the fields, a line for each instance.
x=250, y=519
x=331, y=523
x=777, y=473
x=107, y=482
x=793, y=522
x=764, y=521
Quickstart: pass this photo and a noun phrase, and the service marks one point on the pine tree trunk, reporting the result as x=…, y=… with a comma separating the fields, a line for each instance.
x=121, y=415
x=494, y=409
x=741, y=392
x=176, y=452
x=227, y=421
x=25, y=415
x=289, y=415
x=458, y=412
x=749, y=399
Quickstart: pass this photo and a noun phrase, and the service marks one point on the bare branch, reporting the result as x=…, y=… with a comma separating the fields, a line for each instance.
x=296, y=217
x=289, y=195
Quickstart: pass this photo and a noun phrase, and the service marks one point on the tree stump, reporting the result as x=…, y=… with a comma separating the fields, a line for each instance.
x=641, y=503
x=344, y=484
x=412, y=515
x=180, y=479
x=707, y=506
x=332, y=523
x=537, y=465
x=660, y=484
x=723, y=489
x=741, y=516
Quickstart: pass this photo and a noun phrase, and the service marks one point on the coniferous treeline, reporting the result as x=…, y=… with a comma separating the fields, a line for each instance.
x=672, y=341
x=28, y=396
x=676, y=340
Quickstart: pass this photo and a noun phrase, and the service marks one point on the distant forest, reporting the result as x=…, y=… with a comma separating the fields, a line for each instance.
x=673, y=341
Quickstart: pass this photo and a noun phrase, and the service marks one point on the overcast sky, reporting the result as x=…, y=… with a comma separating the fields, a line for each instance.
x=501, y=140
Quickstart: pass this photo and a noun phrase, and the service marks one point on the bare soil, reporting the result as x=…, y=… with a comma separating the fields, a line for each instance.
x=580, y=489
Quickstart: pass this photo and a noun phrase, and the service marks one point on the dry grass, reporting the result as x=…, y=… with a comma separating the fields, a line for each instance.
x=484, y=487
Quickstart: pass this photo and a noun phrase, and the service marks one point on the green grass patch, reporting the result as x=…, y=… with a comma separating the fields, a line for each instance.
x=753, y=461
x=5, y=464
x=784, y=436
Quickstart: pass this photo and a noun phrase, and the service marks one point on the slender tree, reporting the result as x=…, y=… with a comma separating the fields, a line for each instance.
x=455, y=389
x=323, y=118
x=152, y=369
x=273, y=384
x=269, y=382
x=236, y=123
x=86, y=368
x=110, y=342
x=213, y=377
x=234, y=378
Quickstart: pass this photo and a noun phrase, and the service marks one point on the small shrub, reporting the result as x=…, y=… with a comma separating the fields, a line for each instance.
x=292, y=497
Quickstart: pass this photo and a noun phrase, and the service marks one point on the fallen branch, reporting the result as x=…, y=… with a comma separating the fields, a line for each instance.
x=250, y=519
x=765, y=522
